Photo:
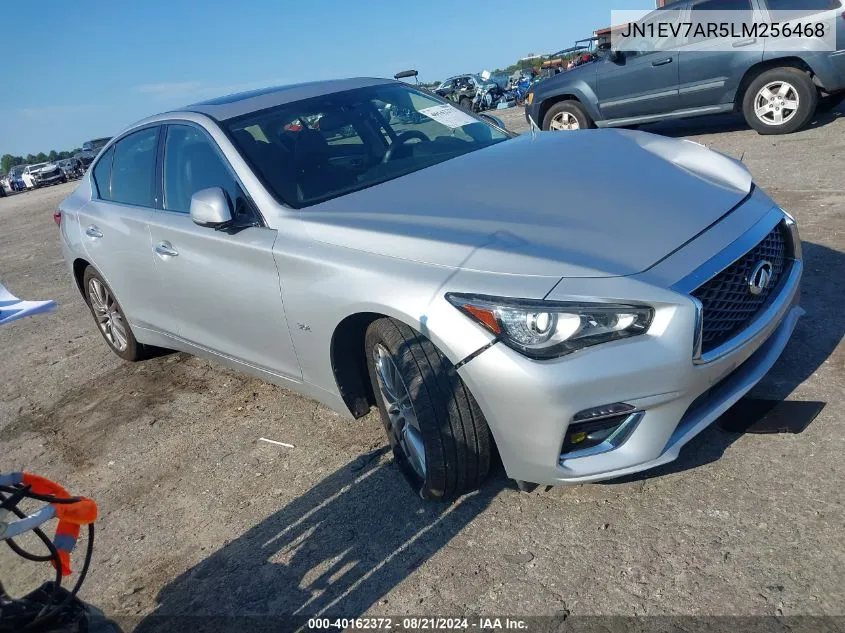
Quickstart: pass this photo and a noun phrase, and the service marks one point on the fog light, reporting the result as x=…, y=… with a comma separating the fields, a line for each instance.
x=601, y=433
x=577, y=438
x=584, y=435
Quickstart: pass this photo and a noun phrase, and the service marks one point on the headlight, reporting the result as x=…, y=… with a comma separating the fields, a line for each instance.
x=548, y=329
x=529, y=99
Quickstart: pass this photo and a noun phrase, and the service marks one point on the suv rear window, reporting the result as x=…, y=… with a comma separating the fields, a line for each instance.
x=723, y=5
x=803, y=7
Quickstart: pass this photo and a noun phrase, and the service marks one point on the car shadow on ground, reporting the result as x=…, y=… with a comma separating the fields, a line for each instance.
x=334, y=551
x=341, y=547
x=721, y=123
x=814, y=340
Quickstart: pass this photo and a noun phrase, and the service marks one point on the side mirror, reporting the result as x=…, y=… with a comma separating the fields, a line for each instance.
x=493, y=119
x=210, y=207
x=617, y=57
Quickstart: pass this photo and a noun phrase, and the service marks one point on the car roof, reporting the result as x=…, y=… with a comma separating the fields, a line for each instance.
x=234, y=105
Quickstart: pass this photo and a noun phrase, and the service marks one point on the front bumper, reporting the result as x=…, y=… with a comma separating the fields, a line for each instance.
x=50, y=180
x=655, y=373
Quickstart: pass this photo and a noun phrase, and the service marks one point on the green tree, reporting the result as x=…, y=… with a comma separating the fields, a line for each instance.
x=6, y=163
x=41, y=157
x=30, y=159
x=53, y=155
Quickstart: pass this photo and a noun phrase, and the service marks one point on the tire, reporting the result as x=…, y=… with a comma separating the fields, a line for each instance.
x=797, y=87
x=132, y=350
x=830, y=102
x=567, y=113
x=465, y=103
x=449, y=425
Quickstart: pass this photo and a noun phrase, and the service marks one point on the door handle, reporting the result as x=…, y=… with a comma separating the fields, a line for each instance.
x=94, y=232
x=742, y=43
x=164, y=249
x=662, y=62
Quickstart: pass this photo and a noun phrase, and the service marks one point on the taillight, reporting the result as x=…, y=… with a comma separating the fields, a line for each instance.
x=57, y=217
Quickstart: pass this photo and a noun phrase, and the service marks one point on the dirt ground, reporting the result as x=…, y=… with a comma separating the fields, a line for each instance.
x=200, y=517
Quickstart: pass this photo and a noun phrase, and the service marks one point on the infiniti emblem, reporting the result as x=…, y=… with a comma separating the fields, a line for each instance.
x=760, y=278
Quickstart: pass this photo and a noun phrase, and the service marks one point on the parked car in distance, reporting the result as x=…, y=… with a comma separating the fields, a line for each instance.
x=72, y=168
x=15, y=179
x=90, y=149
x=42, y=174
x=461, y=89
x=586, y=346
x=778, y=92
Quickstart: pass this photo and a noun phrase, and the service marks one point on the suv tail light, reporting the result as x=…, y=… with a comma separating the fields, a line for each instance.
x=57, y=217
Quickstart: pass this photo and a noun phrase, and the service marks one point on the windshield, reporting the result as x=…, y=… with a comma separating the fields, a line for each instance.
x=36, y=166
x=312, y=150
x=17, y=171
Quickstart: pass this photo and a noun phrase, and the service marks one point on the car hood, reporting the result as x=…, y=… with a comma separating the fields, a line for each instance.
x=594, y=203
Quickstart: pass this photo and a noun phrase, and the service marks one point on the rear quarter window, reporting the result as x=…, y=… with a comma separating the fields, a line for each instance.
x=133, y=168
x=102, y=175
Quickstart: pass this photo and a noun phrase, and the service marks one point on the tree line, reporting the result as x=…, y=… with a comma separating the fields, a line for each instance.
x=7, y=161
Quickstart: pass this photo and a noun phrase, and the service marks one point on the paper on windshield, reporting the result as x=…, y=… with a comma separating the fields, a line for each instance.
x=448, y=115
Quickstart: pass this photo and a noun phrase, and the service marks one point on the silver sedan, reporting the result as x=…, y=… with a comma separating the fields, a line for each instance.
x=588, y=303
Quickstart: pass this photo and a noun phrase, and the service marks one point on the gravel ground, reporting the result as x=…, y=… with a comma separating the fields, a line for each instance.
x=199, y=517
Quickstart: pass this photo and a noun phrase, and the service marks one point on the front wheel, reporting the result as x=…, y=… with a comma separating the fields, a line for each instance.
x=465, y=103
x=567, y=116
x=438, y=434
x=780, y=101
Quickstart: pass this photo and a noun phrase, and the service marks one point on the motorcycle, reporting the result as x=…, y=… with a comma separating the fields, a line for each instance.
x=520, y=89
x=490, y=95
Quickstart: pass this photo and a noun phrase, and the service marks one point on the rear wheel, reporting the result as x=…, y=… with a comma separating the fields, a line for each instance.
x=567, y=116
x=110, y=319
x=780, y=101
x=439, y=437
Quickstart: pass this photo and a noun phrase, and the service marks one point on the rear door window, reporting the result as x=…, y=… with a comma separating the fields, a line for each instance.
x=710, y=16
x=133, y=168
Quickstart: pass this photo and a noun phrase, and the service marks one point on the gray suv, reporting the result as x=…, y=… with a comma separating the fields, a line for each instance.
x=778, y=92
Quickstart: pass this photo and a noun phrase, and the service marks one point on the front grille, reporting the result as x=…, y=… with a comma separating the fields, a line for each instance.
x=728, y=305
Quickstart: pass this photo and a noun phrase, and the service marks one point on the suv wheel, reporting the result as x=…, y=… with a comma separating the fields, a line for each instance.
x=439, y=437
x=780, y=101
x=567, y=116
x=112, y=323
x=465, y=103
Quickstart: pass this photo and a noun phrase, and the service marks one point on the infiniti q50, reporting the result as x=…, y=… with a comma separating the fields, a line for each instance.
x=319, y=237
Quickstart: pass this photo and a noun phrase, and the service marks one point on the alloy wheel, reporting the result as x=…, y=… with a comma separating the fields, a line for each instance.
x=403, y=423
x=777, y=103
x=108, y=315
x=564, y=121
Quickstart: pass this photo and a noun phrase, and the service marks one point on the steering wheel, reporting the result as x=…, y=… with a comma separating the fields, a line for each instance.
x=401, y=139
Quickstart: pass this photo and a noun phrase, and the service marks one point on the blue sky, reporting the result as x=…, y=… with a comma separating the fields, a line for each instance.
x=83, y=69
